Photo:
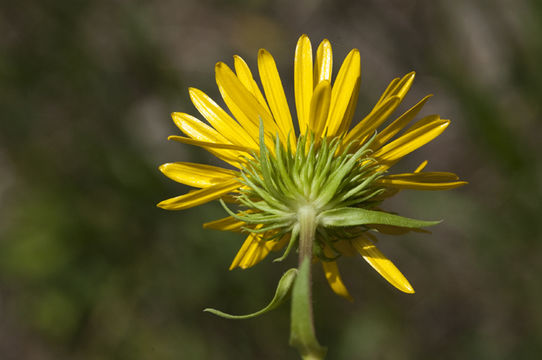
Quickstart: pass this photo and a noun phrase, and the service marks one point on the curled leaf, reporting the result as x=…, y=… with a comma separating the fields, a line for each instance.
x=283, y=288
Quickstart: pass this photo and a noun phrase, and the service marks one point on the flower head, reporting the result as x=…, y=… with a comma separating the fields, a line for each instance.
x=336, y=172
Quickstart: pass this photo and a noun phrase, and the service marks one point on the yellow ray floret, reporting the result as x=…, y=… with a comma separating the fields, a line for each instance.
x=333, y=277
x=410, y=141
x=274, y=92
x=246, y=104
x=303, y=77
x=397, y=125
x=245, y=76
x=255, y=249
x=220, y=120
x=198, y=197
x=228, y=223
x=323, y=65
x=422, y=181
x=342, y=91
x=319, y=109
x=366, y=127
x=350, y=109
x=196, y=175
x=381, y=264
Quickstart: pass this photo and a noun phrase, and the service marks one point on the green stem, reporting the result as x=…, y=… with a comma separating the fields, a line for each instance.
x=302, y=334
x=306, y=216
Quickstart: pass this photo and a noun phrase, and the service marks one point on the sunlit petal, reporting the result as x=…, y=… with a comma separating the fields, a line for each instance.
x=274, y=93
x=382, y=264
x=243, y=102
x=198, y=197
x=409, y=142
x=342, y=91
x=303, y=77
x=220, y=120
x=323, y=66
x=320, y=108
x=245, y=76
x=196, y=175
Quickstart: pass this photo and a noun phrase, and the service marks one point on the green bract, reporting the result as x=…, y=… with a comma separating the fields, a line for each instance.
x=325, y=175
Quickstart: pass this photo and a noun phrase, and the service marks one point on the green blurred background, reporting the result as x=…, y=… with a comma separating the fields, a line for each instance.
x=91, y=269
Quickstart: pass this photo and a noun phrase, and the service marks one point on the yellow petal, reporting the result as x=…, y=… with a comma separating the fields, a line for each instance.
x=198, y=197
x=220, y=120
x=429, y=176
x=350, y=110
x=403, y=85
x=303, y=76
x=260, y=249
x=398, y=87
x=334, y=280
x=274, y=93
x=420, y=167
x=320, y=108
x=423, y=121
x=422, y=181
x=242, y=101
x=323, y=65
x=344, y=86
x=232, y=154
x=196, y=175
x=245, y=76
x=369, y=124
x=257, y=251
x=418, y=185
x=250, y=127
x=207, y=144
x=409, y=142
x=243, y=250
x=381, y=264
x=398, y=124
x=254, y=249
x=203, y=135
x=386, y=94
x=228, y=223
x=196, y=129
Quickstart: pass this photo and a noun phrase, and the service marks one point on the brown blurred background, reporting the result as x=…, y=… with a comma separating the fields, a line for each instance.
x=91, y=269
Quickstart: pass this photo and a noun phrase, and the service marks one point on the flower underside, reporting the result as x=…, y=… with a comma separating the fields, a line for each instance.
x=318, y=174
x=337, y=169
x=318, y=192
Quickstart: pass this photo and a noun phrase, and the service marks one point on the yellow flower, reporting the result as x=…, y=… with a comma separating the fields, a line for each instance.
x=276, y=169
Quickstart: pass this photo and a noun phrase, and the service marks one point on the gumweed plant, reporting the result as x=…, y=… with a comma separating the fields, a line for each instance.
x=317, y=191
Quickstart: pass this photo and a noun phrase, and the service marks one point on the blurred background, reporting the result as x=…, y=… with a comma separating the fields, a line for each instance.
x=91, y=269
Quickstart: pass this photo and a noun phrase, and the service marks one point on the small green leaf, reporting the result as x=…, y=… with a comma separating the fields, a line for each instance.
x=348, y=216
x=283, y=288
